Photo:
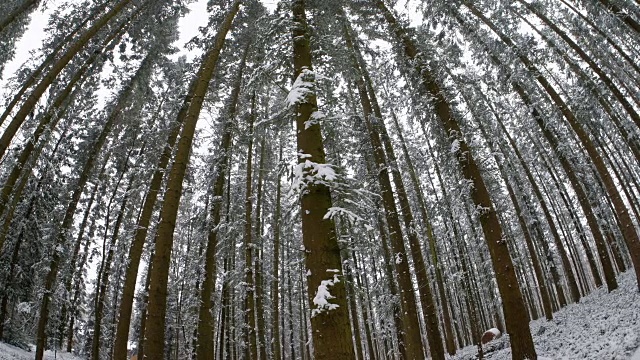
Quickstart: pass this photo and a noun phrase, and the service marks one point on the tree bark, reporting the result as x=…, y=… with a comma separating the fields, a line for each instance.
x=330, y=326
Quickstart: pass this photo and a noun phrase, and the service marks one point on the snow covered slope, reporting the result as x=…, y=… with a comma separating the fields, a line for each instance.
x=602, y=326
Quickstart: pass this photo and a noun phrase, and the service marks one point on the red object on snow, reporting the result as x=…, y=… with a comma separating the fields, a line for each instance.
x=490, y=335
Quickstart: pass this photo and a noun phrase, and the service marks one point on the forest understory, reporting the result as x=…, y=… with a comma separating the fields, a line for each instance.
x=602, y=326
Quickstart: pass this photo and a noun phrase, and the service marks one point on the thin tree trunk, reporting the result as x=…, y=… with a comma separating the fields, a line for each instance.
x=258, y=268
x=248, y=244
x=205, y=350
x=104, y=273
x=277, y=217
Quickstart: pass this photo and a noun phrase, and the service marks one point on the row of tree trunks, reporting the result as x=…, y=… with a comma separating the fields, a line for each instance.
x=568, y=168
x=56, y=68
x=514, y=309
x=628, y=229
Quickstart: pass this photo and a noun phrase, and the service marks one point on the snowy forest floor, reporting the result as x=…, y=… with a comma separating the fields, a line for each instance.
x=8, y=352
x=602, y=326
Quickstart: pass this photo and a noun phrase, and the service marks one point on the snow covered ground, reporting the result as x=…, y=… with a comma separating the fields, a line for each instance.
x=8, y=352
x=602, y=326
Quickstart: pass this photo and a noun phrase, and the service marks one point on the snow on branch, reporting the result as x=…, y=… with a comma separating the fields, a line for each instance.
x=321, y=300
x=303, y=87
x=309, y=172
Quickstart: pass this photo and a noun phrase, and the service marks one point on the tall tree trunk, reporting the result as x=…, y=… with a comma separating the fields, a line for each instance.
x=205, y=350
x=249, y=250
x=104, y=273
x=449, y=337
x=330, y=326
x=159, y=272
x=75, y=275
x=420, y=268
x=258, y=268
x=514, y=309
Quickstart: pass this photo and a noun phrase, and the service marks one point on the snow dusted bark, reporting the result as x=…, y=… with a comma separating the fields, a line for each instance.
x=331, y=330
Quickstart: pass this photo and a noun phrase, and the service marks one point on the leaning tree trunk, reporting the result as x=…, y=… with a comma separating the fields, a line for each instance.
x=159, y=273
x=30, y=102
x=104, y=273
x=48, y=122
x=331, y=330
x=16, y=13
x=514, y=309
x=35, y=74
x=60, y=240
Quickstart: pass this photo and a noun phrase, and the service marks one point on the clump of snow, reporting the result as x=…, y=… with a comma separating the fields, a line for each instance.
x=490, y=335
x=321, y=300
x=601, y=326
x=310, y=172
x=335, y=210
x=455, y=146
x=303, y=87
x=315, y=118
